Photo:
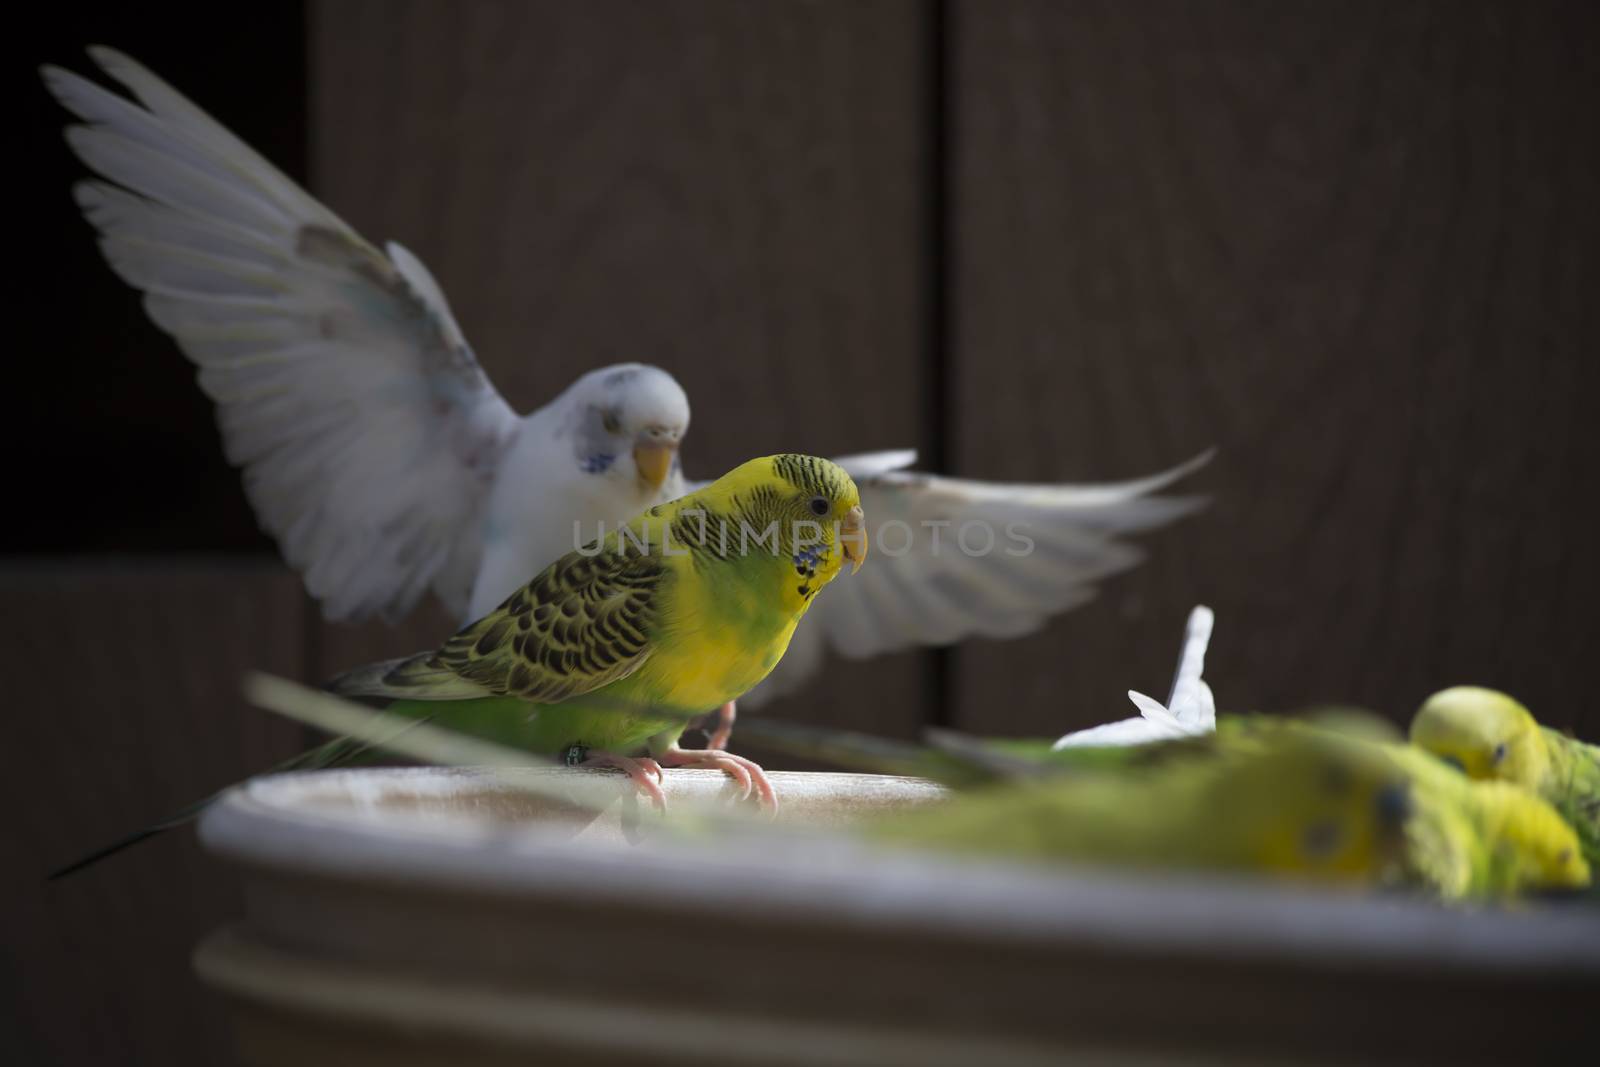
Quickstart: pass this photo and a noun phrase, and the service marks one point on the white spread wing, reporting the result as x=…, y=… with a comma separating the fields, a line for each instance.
x=366, y=429
x=952, y=558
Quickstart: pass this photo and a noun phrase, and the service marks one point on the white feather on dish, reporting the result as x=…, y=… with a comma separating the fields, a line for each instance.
x=1190, y=709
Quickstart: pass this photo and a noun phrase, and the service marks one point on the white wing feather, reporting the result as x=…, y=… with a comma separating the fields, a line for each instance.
x=908, y=594
x=1191, y=709
x=367, y=431
x=1191, y=702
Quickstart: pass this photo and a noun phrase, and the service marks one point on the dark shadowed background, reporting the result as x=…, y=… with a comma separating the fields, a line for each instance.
x=1353, y=245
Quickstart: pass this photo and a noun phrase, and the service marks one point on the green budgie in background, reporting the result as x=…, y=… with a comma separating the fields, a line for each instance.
x=1334, y=797
x=1483, y=839
x=1488, y=735
x=1326, y=801
x=1302, y=807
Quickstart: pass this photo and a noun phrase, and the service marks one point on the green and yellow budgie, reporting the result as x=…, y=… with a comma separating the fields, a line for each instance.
x=613, y=648
x=1474, y=840
x=1488, y=735
x=606, y=655
x=1302, y=806
x=1331, y=799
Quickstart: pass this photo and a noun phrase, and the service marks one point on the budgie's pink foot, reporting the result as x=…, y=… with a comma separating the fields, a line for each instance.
x=638, y=768
x=747, y=773
x=723, y=733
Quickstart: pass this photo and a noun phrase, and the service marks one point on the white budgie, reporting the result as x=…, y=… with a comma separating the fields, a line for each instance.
x=375, y=450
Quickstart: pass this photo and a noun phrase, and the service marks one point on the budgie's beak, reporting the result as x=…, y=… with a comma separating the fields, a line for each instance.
x=653, y=455
x=853, y=537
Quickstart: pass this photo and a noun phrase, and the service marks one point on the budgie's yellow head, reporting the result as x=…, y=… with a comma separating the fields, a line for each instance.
x=1484, y=733
x=802, y=510
x=1533, y=846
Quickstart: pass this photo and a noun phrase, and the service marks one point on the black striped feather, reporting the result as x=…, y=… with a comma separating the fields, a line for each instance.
x=583, y=623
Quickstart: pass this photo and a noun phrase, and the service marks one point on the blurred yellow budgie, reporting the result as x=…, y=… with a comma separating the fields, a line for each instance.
x=1488, y=735
x=1329, y=801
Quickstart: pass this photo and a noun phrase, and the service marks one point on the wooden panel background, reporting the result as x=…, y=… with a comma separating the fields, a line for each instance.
x=123, y=682
x=1354, y=246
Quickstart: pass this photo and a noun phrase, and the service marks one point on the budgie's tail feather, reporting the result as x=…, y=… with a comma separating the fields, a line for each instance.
x=415, y=677
x=331, y=754
x=419, y=677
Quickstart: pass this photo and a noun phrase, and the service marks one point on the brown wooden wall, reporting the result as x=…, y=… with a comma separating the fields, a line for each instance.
x=1354, y=245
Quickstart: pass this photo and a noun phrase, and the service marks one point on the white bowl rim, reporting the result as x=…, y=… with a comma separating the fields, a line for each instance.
x=831, y=879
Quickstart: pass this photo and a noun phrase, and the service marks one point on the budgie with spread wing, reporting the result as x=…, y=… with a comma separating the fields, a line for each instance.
x=381, y=458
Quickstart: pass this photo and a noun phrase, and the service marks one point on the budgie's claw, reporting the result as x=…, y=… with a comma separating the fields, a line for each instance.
x=637, y=768
x=719, y=737
x=747, y=773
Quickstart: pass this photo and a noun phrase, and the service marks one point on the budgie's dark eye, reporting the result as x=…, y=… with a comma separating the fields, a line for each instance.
x=819, y=505
x=1499, y=752
x=611, y=422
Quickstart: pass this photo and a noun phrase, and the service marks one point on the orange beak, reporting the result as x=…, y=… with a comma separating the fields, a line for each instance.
x=654, y=461
x=853, y=537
